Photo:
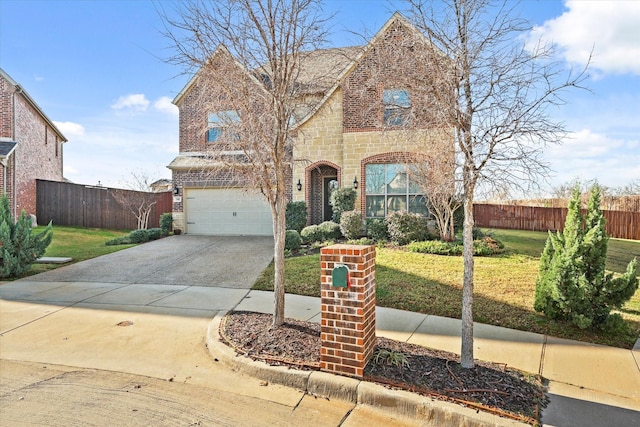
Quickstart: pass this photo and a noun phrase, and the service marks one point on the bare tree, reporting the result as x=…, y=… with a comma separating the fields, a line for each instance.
x=503, y=91
x=434, y=173
x=140, y=203
x=248, y=55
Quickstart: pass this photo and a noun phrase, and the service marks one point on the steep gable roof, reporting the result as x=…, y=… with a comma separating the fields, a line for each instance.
x=321, y=71
x=20, y=90
x=220, y=50
x=357, y=54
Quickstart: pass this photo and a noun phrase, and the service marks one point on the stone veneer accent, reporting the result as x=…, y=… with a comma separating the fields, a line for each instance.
x=348, y=316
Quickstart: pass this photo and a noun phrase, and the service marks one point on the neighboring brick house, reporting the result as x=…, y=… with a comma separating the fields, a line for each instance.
x=355, y=135
x=30, y=146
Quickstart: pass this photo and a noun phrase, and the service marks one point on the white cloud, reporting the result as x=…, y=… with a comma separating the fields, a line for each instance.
x=608, y=27
x=164, y=104
x=114, y=143
x=588, y=155
x=132, y=102
x=70, y=129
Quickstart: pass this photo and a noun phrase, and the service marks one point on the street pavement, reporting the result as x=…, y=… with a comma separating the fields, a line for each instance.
x=130, y=338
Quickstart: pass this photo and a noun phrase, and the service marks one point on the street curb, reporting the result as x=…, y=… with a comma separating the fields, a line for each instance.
x=323, y=384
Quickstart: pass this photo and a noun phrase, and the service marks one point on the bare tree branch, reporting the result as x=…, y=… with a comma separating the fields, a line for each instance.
x=252, y=84
x=502, y=107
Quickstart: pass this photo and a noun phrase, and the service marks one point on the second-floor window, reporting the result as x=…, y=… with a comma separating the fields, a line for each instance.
x=218, y=124
x=397, y=104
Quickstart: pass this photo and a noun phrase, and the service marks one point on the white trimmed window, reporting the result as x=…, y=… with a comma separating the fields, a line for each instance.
x=397, y=105
x=218, y=122
x=389, y=189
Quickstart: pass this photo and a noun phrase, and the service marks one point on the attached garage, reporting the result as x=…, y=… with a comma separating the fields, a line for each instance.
x=227, y=211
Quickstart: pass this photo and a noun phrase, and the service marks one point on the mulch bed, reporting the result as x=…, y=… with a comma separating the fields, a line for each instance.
x=488, y=386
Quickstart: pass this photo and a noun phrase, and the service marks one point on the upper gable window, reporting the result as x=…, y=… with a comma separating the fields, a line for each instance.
x=217, y=122
x=397, y=103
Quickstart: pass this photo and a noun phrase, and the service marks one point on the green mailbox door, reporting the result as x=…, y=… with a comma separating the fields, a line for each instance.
x=340, y=277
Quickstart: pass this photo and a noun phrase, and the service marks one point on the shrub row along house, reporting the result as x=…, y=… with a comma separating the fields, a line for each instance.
x=30, y=146
x=362, y=115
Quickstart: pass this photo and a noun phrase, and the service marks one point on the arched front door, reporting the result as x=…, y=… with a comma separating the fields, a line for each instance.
x=324, y=179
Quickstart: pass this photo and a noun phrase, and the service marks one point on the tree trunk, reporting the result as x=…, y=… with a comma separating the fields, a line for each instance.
x=279, y=233
x=466, y=358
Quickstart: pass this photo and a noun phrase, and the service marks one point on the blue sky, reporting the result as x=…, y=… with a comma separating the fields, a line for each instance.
x=97, y=70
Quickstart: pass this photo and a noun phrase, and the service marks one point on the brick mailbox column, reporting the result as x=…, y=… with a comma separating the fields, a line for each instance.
x=348, y=324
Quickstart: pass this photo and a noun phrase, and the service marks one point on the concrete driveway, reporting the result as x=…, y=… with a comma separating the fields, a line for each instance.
x=212, y=261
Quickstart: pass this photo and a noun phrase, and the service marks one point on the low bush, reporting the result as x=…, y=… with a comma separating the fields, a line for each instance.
x=482, y=247
x=155, y=233
x=377, y=229
x=329, y=230
x=310, y=234
x=139, y=236
x=166, y=223
x=404, y=227
x=124, y=240
x=292, y=240
x=361, y=241
x=296, y=216
x=351, y=224
x=487, y=246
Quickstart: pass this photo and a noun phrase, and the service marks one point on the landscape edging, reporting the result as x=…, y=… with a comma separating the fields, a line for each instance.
x=323, y=384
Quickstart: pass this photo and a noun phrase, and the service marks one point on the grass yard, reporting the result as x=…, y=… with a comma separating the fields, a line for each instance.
x=504, y=285
x=78, y=243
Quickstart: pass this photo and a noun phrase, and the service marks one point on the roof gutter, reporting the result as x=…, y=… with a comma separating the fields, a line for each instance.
x=20, y=90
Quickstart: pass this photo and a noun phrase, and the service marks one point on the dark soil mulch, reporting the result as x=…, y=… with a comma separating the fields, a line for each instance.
x=488, y=386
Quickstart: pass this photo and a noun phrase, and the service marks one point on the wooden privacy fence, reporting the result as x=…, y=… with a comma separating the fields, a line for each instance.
x=95, y=207
x=622, y=225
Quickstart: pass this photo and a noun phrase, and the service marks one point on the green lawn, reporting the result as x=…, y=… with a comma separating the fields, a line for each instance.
x=504, y=285
x=78, y=243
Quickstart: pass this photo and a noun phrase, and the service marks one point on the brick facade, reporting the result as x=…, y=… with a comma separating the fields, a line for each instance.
x=348, y=315
x=346, y=130
x=38, y=154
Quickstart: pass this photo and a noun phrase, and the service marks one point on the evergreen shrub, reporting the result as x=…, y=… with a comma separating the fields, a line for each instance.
x=310, y=234
x=155, y=233
x=166, y=223
x=351, y=224
x=572, y=284
x=377, y=229
x=342, y=200
x=329, y=230
x=296, y=216
x=292, y=240
x=19, y=247
x=139, y=236
x=404, y=227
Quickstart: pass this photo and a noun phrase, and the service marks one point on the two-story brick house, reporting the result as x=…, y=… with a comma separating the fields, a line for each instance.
x=370, y=118
x=30, y=146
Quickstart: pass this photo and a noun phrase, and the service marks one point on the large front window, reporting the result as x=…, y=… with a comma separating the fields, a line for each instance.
x=389, y=188
x=218, y=122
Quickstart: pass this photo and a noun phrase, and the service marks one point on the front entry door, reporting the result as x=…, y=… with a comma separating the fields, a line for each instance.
x=329, y=184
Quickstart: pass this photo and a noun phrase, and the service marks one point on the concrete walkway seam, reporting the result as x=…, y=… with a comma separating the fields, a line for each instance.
x=326, y=385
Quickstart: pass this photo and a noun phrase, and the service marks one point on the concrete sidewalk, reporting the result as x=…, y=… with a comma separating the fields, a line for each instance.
x=589, y=382
x=84, y=324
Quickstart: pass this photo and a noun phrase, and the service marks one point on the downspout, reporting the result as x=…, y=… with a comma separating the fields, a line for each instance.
x=15, y=163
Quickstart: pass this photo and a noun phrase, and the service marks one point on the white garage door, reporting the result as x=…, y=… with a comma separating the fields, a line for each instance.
x=228, y=211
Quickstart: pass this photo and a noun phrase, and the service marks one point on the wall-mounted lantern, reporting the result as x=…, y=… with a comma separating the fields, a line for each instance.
x=176, y=190
x=299, y=185
x=355, y=182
